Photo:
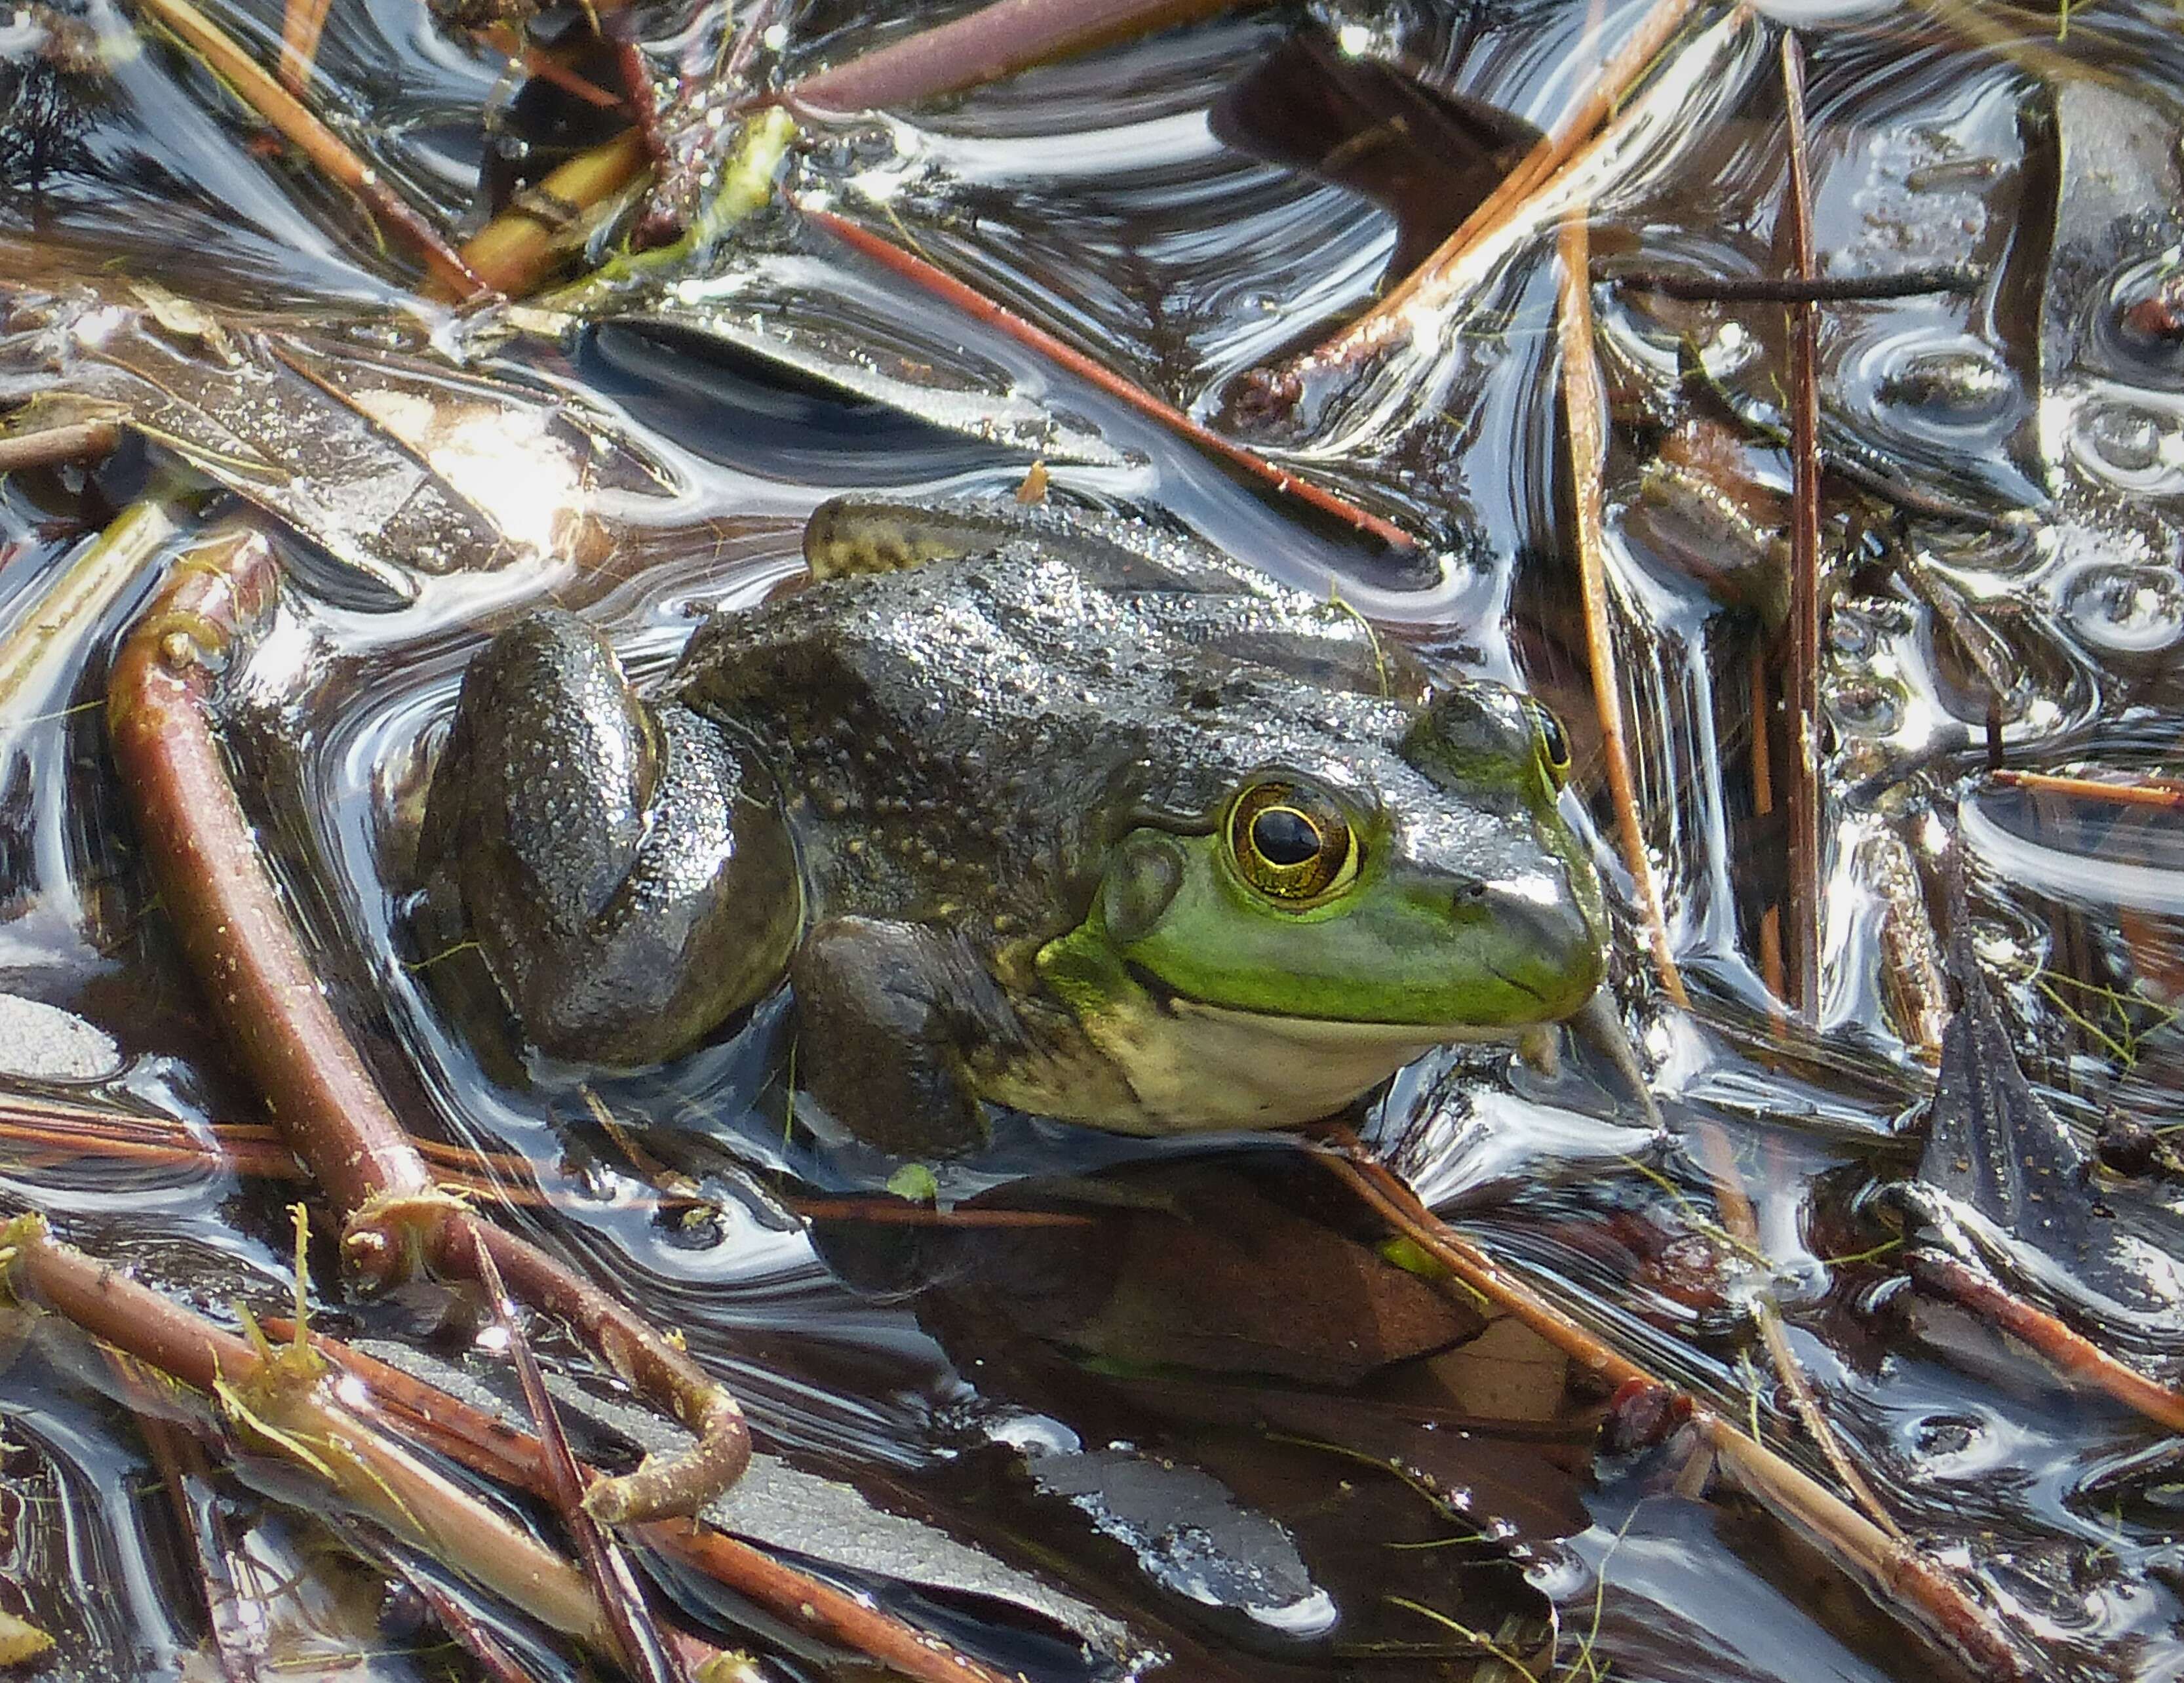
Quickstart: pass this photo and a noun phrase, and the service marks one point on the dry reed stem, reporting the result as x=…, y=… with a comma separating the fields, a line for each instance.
x=227, y=914
x=107, y=565
x=975, y=304
x=519, y=249
x=2075, y=1355
x=1585, y=408
x=1888, y=1563
x=1802, y=685
x=303, y=129
x=2158, y=793
x=302, y=24
x=289, y=1410
x=496, y=1449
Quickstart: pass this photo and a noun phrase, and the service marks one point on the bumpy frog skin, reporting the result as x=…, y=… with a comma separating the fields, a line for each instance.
x=1048, y=811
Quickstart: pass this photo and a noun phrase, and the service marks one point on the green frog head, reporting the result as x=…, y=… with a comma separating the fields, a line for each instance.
x=1338, y=908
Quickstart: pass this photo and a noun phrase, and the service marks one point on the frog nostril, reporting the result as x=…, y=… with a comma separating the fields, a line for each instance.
x=1468, y=894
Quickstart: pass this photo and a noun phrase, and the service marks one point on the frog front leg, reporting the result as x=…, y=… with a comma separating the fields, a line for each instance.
x=627, y=873
x=885, y=1013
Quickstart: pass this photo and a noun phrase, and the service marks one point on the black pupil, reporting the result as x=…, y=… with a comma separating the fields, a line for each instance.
x=1551, y=732
x=1284, y=836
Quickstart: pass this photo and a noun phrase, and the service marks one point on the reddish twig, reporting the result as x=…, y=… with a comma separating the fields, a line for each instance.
x=972, y=302
x=986, y=45
x=227, y=914
x=282, y=1402
x=645, y=1653
x=2074, y=1355
x=496, y=1449
x=1802, y=683
x=548, y=67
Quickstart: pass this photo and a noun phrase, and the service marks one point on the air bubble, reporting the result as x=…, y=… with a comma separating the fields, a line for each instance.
x=1964, y=386
x=2123, y=436
x=2126, y=610
x=1867, y=707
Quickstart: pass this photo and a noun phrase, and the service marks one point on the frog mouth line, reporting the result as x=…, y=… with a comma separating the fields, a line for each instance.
x=1173, y=1004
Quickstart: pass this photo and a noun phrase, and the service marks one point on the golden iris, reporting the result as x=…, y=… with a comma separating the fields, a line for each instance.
x=1554, y=744
x=1291, y=844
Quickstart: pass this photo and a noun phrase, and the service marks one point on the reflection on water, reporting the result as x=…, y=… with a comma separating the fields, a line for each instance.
x=1029, y=1399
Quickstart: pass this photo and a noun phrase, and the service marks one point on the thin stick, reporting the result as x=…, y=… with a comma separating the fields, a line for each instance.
x=2154, y=791
x=1586, y=411
x=59, y=1131
x=2076, y=1356
x=549, y=68
x=975, y=304
x=325, y=148
x=1801, y=288
x=1762, y=806
x=79, y=441
x=1802, y=681
x=645, y=1653
x=1741, y=1225
x=238, y=1640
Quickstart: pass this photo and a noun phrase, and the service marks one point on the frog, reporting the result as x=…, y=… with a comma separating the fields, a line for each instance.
x=1051, y=809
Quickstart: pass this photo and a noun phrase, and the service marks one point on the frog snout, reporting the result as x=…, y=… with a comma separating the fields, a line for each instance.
x=1537, y=915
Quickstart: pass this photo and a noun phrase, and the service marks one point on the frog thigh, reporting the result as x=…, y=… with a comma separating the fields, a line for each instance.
x=883, y=1010
x=627, y=885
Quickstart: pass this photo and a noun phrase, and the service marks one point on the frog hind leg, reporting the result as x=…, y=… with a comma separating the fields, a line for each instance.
x=883, y=1010
x=630, y=882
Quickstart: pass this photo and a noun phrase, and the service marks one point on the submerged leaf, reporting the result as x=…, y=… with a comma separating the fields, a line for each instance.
x=394, y=465
x=1428, y=156
x=2000, y=1156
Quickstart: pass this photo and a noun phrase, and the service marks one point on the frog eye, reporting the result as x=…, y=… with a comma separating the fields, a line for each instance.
x=1554, y=745
x=1291, y=843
